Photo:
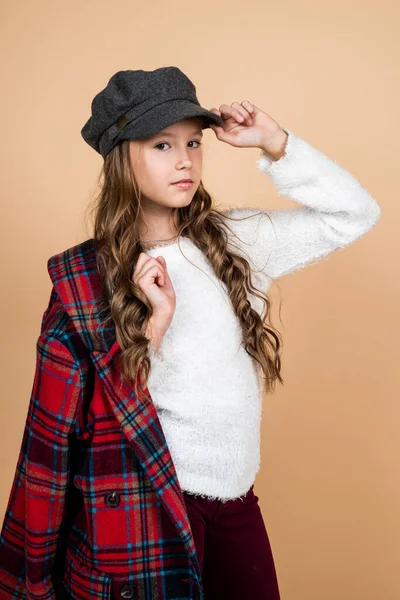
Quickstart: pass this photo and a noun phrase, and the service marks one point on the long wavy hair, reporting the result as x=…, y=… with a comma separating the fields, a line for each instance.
x=117, y=211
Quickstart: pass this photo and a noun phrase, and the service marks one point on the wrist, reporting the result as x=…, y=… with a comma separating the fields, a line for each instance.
x=155, y=332
x=153, y=336
x=275, y=148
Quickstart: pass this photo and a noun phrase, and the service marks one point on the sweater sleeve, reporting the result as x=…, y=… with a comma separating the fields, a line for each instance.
x=336, y=210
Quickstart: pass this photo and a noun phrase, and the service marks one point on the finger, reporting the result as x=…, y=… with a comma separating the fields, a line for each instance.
x=237, y=112
x=213, y=126
x=153, y=272
x=243, y=112
x=163, y=262
x=145, y=265
x=246, y=105
x=165, y=279
x=142, y=259
x=228, y=112
x=250, y=107
x=153, y=262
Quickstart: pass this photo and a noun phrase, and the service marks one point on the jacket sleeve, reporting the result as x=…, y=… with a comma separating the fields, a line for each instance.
x=335, y=210
x=38, y=501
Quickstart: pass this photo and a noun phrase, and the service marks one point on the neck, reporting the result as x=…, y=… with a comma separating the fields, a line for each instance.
x=157, y=231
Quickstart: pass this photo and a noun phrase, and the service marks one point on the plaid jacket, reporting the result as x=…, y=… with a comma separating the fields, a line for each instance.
x=95, y=506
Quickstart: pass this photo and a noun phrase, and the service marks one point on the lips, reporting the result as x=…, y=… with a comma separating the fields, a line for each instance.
x=184, y=181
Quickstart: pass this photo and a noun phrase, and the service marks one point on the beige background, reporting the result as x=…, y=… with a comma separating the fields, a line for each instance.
x=329, y=483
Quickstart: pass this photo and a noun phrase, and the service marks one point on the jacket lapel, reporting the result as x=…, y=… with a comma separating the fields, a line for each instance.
x=78, y=284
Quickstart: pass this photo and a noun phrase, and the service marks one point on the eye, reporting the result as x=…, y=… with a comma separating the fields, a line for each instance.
x=166, y=143
x=161, y=144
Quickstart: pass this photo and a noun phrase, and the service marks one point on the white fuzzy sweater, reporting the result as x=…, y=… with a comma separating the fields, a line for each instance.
x=206, y=388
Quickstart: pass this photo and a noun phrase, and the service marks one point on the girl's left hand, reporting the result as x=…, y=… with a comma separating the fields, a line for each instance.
x=246, y=126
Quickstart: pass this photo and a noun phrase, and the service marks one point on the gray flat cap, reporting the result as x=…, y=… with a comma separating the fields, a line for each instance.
x=136, y=104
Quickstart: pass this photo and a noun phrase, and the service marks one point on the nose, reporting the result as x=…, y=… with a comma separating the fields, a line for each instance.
x=183, y=156
x=185, y=161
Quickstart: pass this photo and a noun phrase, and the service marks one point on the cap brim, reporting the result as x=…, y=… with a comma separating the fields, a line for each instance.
x=165, y=114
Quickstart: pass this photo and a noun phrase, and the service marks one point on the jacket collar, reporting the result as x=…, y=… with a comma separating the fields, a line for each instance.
x=78, y=284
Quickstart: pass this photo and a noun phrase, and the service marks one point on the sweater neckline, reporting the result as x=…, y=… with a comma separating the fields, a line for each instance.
x=174, y=243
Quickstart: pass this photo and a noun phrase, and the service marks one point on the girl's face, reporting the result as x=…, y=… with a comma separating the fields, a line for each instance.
x=165, y=157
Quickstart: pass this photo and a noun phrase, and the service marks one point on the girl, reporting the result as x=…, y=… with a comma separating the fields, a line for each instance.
x=142, y=440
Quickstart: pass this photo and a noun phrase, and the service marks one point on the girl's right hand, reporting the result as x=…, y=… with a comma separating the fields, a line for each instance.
x=151, y=275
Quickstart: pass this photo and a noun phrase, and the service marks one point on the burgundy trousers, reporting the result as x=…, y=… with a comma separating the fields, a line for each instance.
x=233, y=548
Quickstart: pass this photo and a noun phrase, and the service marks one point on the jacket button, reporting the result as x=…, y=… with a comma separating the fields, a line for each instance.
x=113, y=499
x=126, y=591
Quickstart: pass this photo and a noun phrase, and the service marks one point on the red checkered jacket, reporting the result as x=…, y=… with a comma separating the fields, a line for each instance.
x=95, y=507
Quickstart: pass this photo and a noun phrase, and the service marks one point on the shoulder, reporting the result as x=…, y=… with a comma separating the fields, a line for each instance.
x=68, y=271
x=72, y=260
